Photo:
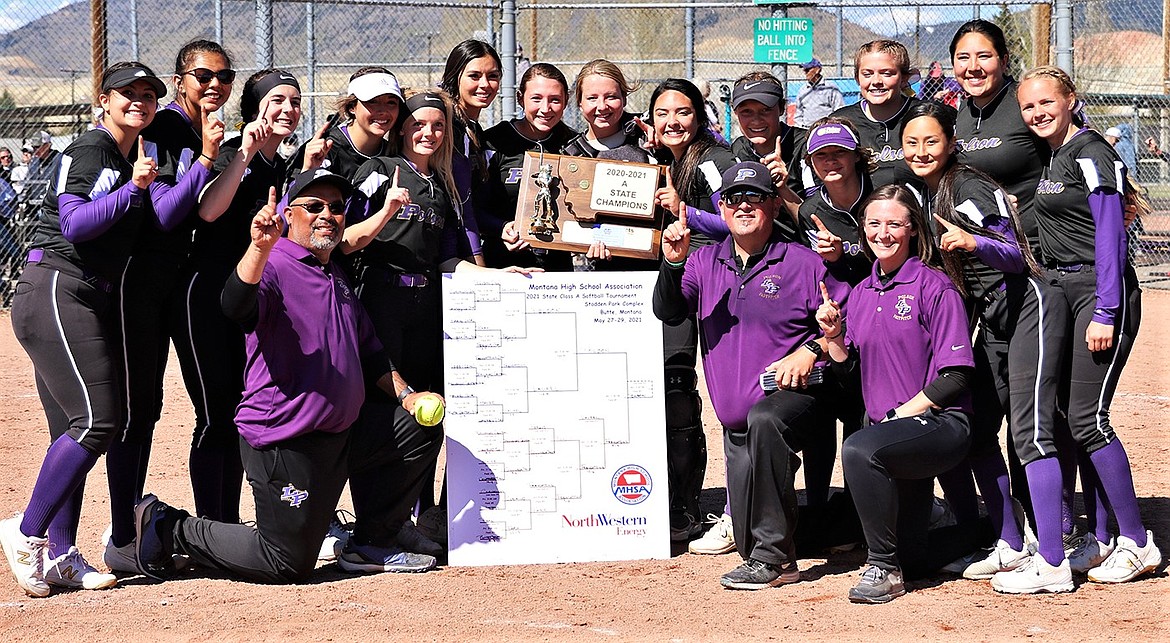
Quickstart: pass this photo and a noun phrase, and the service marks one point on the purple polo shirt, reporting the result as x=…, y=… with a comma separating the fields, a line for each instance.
x=304, y=369
x=747, y=322
x=905, y=332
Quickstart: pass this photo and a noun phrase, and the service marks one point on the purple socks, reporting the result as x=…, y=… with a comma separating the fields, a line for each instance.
x=1112, y=466
x=991, y=475
x=62, y=473
x=1044, y=483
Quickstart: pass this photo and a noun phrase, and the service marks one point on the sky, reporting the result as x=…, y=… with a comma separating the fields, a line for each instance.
x=17, y=13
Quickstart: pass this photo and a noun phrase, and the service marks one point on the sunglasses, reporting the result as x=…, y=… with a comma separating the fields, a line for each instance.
x=5, y=158
x=744, y=197
x=204, y=76
x=316, y=207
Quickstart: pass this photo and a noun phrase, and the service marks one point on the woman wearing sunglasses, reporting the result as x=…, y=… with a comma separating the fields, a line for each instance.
x=65, y=315
x=186, y=136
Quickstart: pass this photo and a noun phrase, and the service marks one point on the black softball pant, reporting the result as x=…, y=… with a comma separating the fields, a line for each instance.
x=761, y=470
x=890, y=469
x=62, y=318
x=1053, y=370
x=296, y=484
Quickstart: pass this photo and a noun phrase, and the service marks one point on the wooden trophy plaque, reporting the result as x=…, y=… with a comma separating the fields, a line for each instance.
x=569, y=202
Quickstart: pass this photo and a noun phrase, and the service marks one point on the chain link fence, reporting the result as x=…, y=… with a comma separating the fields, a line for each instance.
x=47, y=49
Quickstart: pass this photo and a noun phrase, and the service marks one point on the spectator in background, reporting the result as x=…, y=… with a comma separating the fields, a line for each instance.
x=1120, y=136
x=709, y=106
x=818, y=98
x=938, y=88
x=35, y=183
x=1155, y=151
x=522, y=62
x=7, y=163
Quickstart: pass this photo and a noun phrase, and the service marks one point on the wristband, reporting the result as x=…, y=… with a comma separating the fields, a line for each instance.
x=839, y=333
x=204, y=156
x=673, y=264
x=405, y=392
x=815, y=348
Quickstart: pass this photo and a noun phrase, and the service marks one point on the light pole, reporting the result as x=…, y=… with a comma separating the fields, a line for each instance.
x=428, y=35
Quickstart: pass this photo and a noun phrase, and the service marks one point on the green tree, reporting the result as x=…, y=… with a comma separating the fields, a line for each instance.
x=7, y=101
x=1017, y=29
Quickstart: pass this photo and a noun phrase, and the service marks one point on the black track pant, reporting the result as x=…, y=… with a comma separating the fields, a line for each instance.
x=761, y=470
x=296, y=484
x=890, y=468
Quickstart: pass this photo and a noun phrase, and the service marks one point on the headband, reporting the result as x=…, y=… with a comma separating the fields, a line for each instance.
x=270, y=81
x=425, y=99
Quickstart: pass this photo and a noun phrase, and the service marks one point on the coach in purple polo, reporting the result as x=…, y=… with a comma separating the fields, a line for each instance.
x=310, y=351
x=756, y=297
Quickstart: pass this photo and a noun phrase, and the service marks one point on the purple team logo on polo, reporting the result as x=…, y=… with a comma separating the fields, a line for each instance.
x=293, y=496
x=769, y=289
x=903, y=309
x=631, y=484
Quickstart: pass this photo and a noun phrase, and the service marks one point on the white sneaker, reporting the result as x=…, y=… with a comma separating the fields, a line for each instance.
x=26, y=556
x=1001, y=559
x=1128, y=561
x=340, y=529
x=718, y=539
x=71, y=570
x=1033, y=577
x=1089, y=553
x=121, y=559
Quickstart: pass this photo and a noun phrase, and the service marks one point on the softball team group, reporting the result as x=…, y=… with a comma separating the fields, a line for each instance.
x=1003, y=221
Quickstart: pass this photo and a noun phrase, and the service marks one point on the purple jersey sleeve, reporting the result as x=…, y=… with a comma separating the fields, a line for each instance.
x=1004, y=255
x=1110, y=251
x=84, y=220
x=707, y=223
x=172, y=204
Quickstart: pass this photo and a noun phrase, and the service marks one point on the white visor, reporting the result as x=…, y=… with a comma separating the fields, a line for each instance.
x=371, y=86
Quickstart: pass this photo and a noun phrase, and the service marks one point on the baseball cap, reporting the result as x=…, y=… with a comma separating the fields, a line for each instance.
x=131, y=73
x=812, y=64
x=371, y=86
x=763, y=91
x=35, y=139
x=747, y=176
x=1114, y=132
x=311, y=177
x=830, y=135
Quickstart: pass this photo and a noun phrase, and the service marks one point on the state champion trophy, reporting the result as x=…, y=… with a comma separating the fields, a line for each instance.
x=571, y=202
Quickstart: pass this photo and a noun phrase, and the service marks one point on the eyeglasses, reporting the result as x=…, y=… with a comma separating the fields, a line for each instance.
x=744, y=197
x=316, y=207
x=6, y=157
x=204, y=76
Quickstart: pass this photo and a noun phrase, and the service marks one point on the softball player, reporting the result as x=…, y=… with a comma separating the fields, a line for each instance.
x=187, y=137
x=828, y=217
x=882, y=70
x=210, y=346
x=1079, y=216
x=983, y=248
x=908, y=334
x=543, y=93
x=757, y=100
x=65, y=314
x=370, y=115
x=472, y=78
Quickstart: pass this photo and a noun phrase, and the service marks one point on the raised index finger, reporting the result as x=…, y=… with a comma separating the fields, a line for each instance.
x=324, y=129
x=669, y=180
x=779, y=143
x=947, y=225
x=825, y=294
x=682, y=213
x=272, y=196
x=820, y=226
x=394, y=185
x=141, y=148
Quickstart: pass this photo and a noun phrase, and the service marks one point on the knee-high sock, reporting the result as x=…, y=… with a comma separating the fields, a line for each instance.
x=1096, y=504
x=63, y=526
x=65, y=467
x=1112, y=465
x=126, y=464
x=1045, y=485
x=991, y=475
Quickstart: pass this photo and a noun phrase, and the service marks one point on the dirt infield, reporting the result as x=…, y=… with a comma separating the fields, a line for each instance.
x=678, y=599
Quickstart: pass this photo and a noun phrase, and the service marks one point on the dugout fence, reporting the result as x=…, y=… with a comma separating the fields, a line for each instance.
x=1116, y=49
